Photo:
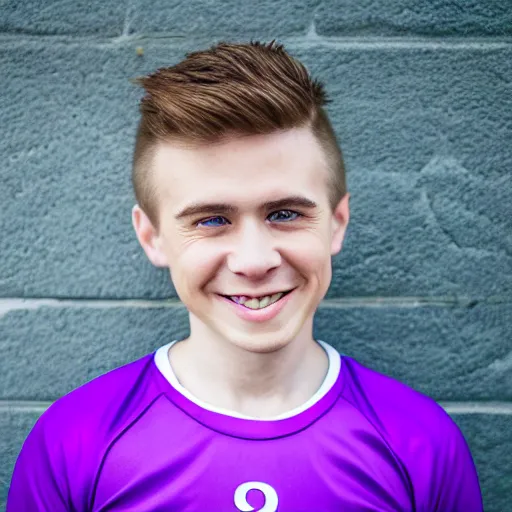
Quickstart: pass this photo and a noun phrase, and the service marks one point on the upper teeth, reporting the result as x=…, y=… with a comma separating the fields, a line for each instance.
x=257, y=303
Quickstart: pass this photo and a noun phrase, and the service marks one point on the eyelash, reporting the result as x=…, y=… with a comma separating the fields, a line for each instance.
x=295, y=215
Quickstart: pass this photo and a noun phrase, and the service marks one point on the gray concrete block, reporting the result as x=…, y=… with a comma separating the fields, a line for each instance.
x=413, y=17
x=447, y=353
x=15, y=425
x=62, y=17
x=442, y=231
x=226, y=18
x=247, y=19
x=488, y=436
x=490, y=440
x=397, y=108
x=57, y=350
x=425, y=134
x=71, y=125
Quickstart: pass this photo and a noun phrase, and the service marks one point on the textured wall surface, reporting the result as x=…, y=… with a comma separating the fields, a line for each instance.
x=422, y=102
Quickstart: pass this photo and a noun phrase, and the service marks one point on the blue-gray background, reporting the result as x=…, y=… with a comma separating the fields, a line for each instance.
x=422, y=103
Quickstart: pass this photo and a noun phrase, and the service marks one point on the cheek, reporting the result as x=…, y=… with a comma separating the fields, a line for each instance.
x=311, y=251
x=320, y=268
x=195, y=265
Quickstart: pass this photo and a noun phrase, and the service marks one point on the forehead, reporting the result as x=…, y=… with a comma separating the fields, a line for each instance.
x=243, y=170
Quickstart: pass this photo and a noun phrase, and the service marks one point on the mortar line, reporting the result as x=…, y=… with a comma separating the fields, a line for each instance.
x=16, y=303
x=24, y=406
x=466, y=408
x=8, y=304
x=384, y=43
x=309, y=40
x=499, y=408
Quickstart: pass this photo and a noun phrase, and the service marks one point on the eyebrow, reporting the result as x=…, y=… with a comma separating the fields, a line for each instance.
x=224, y=208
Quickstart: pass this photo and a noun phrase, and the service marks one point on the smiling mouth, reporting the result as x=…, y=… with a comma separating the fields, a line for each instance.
x=256, y=302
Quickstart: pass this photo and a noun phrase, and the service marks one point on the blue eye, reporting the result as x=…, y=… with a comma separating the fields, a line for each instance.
x=212, y=222
x=278, y=216
x=283, y=216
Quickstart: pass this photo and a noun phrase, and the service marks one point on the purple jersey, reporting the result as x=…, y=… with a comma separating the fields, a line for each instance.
x=135, y=440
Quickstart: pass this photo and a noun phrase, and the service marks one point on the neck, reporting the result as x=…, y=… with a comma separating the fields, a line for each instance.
x=252, y=384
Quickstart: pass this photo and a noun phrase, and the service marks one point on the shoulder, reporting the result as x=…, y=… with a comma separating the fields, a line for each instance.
x=394, y=404
x=100, y=391
x=61, y=456
x=421, y=434
x=104, y=401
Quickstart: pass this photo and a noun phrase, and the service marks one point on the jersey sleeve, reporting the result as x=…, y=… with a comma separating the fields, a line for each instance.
x=427, y=442
x=38, y=479
x=61, y=459
x=456, y=486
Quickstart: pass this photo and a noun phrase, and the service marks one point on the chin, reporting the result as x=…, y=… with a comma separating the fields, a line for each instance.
x=262, y=342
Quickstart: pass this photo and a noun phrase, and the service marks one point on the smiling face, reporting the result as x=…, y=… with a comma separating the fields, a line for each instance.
x=243, y=219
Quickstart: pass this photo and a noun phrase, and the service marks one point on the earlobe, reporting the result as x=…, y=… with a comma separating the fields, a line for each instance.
x=341, y=215
x=148, y=237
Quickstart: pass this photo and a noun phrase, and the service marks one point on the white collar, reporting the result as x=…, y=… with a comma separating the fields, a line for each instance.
x=163, y=364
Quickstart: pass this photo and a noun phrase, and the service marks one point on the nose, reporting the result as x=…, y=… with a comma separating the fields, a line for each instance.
x=254, y=252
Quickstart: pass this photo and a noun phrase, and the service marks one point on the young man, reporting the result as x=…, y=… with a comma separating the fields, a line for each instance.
x=241, y=194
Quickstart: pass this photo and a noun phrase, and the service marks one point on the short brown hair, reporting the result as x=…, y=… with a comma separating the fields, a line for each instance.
x=230, y=89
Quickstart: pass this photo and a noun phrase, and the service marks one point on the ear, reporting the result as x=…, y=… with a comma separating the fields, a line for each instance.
x=341, y=215
x=148, y=237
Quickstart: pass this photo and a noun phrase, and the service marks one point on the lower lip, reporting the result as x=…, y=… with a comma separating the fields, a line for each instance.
x=259, y=315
